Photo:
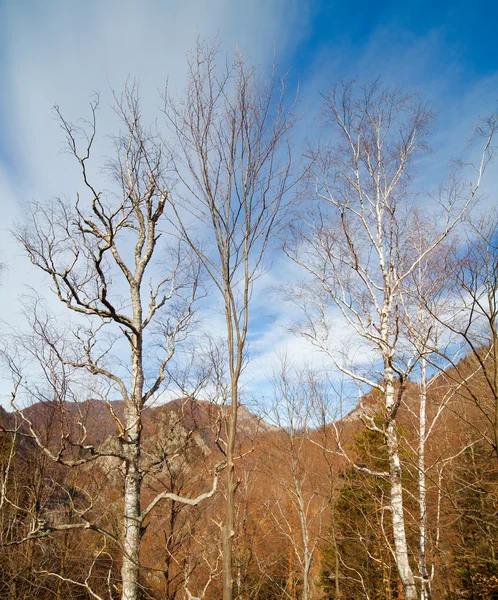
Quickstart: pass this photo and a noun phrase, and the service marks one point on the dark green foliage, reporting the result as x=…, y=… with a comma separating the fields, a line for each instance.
x=360, y=553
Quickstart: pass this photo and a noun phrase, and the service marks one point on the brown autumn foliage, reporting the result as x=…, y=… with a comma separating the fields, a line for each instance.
x=181, y=544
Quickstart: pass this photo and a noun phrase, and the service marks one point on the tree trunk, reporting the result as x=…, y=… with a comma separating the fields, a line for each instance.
x=229, y=530
x=130, y=570
x=494, y=342
x=306, y=576
x=425, y=593
x=132, y=519
x=307, y=554
x=398, y=518
x=336, y=561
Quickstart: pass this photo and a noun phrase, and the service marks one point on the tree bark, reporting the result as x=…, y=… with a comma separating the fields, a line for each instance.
x=397, y=513
x=425, y=592
x=229, y=526
x=132, y=521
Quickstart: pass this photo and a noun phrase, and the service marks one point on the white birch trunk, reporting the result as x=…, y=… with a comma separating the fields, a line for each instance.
x=425, y=593
x=307, y=553
x=398, y=518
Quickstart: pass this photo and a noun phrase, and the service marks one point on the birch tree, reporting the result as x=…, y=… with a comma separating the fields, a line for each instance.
x=422, y=296
x=232, y=158
x=354, y=244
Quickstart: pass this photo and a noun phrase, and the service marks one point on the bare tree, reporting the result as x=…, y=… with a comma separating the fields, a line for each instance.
x=355, y=246
x=421, y=290
x=233, y=161
x=472, y=287
x=302, y=499
x=101, y=256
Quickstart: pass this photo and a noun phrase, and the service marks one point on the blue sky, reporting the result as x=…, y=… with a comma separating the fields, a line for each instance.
x=467, y=30
x=61, y=51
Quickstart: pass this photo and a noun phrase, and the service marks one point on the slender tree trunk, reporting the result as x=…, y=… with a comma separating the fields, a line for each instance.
x=336, y=561
x=306, y=576
x=290, y=571
x=132, y=520
x=494, y=341
x=307, y=554
x=229, y=530
x=397, y=514
x=130, y=570
x=235, y=361
x=425, y=593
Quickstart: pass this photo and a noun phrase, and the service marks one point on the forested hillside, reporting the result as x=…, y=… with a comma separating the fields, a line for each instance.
x=312, y=506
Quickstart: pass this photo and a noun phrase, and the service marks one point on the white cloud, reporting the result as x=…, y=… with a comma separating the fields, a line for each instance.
x=61, y=53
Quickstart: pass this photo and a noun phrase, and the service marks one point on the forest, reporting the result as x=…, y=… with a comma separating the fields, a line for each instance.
x=136, y=461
